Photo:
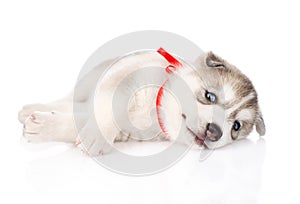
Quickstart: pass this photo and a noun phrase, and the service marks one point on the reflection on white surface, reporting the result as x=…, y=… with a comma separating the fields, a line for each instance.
x=229, y=175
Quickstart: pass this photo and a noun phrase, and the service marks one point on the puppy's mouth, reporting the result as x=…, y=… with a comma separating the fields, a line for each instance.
x=198, y=138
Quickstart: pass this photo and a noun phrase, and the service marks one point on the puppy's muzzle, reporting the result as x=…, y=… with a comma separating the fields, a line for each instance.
x=213, y=132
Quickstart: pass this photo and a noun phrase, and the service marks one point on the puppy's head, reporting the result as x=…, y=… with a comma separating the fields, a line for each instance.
x=226, y=100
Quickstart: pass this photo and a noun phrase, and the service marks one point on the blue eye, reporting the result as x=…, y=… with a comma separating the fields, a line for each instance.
x=236, y=125
x=210, y=96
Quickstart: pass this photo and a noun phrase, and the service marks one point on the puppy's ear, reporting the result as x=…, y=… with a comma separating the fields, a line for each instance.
x=260, y=124
x=214, y=61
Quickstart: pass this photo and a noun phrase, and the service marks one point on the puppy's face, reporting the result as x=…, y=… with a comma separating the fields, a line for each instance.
x=227, y=104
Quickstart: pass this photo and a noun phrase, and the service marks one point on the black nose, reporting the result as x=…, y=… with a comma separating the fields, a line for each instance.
x=213, y=132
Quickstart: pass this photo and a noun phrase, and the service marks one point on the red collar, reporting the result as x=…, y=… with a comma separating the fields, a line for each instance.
x=174, y=64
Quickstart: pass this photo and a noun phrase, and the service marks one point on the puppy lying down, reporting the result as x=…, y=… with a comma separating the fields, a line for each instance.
x=215, y=104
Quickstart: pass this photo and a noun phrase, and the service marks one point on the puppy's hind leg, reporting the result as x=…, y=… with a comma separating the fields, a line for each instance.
x=49, y=122
x=64, y=105
x=50, y=126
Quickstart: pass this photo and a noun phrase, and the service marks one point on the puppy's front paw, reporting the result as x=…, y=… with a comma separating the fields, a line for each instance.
x=92, y=142
x=35, y=127
x=93, y=145
x=28, y=110
x=47, y=126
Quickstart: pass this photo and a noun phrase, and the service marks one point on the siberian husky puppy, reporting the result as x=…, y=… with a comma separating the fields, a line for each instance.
x=225, y=100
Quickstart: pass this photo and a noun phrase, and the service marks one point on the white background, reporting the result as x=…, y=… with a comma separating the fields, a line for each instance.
x=43, y=46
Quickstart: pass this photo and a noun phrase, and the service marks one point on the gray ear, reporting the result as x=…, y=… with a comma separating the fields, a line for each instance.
x=260, y=124
x=213, y=60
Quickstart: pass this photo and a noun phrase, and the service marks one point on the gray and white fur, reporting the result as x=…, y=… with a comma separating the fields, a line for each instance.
x=226, y=99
